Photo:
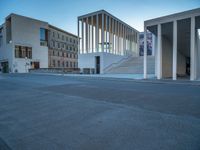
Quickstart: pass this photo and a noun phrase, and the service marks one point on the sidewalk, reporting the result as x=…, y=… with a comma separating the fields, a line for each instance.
x=129, y=77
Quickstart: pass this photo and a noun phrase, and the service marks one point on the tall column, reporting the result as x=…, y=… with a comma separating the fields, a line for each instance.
x=86, y=30
x=78, y=38
x=97, y=33
x=174, y=49
x=138, y=43
x=106, y=32
x=82, y=35
x=123, y=40
x=153, y=44
x=159, y=56
x=89, y=35
x=118, y=33
x=110, y=33
x=92, y=23
x=113, y=27
x=115, y=37
x=192, y=51
x=145, y=52
x=102, y=33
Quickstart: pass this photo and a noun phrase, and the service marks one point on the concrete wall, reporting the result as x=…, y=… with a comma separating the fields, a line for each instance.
x=167, y=58
x=6, y=53
x=198, y=53
x=181, y=64
x=26, y=32
x=106, y=59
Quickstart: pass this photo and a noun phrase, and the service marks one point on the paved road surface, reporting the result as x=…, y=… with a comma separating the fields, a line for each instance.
x=44, y=112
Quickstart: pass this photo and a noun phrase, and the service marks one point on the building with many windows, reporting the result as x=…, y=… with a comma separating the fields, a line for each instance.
x=27, y=43
x=63, y=48
x=104, y=40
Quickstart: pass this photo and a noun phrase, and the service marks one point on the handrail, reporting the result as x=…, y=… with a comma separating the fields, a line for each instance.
x=117, y=63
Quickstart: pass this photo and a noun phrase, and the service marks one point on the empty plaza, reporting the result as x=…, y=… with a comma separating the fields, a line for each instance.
x=65, y=112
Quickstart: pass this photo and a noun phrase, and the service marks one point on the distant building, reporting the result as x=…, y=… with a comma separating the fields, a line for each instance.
x=27, y=43
x=63, y=49
x=104, y=40
x=177, y=45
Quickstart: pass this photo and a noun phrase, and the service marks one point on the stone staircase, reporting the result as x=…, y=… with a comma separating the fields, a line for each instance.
x=133, y=65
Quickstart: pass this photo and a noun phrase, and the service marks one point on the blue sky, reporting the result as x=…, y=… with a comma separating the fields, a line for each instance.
x=63, y=13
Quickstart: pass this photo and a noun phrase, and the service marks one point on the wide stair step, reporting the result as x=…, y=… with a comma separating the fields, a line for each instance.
x=133, y=65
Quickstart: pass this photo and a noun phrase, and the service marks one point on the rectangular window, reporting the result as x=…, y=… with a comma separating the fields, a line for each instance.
x=67, y=64
x=43, y=37
x=23, y=52
x=70, y=64
x=63, y=37
x=54, y=63
x=58, y=63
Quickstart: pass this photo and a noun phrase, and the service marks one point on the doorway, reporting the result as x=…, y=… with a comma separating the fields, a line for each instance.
x=97, y=61
x=5, y=67
x=35, y=65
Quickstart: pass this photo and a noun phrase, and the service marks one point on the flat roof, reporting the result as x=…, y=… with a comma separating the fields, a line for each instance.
x=61, y=30
x=51, y=26
x=105, y=12
x=175, y=16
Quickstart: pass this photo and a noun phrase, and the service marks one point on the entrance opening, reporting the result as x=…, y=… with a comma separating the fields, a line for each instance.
x=97, y=59
x=35, y=65
x=4, y=67
x=183, y=48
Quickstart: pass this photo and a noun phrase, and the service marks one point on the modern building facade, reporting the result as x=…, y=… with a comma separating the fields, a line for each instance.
x=104, y=39
x=27, y=43
x=177, y=45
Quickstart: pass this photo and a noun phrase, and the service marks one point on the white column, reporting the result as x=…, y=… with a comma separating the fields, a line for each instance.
x=159, y=56
x=78, y=37
x=102, y=33
x=192, y=51
x=155, y=53
x=145, y=52
x=174, y=49
x=86, y=30
x=97, y=33
x=110, y=33
x=138, y=43
x=89, y=37
x=124, y=40
x=92, y=23
x=106, y=32
x=153, y=44
x=115, y=37
x=113, y=27
x=82, y=35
